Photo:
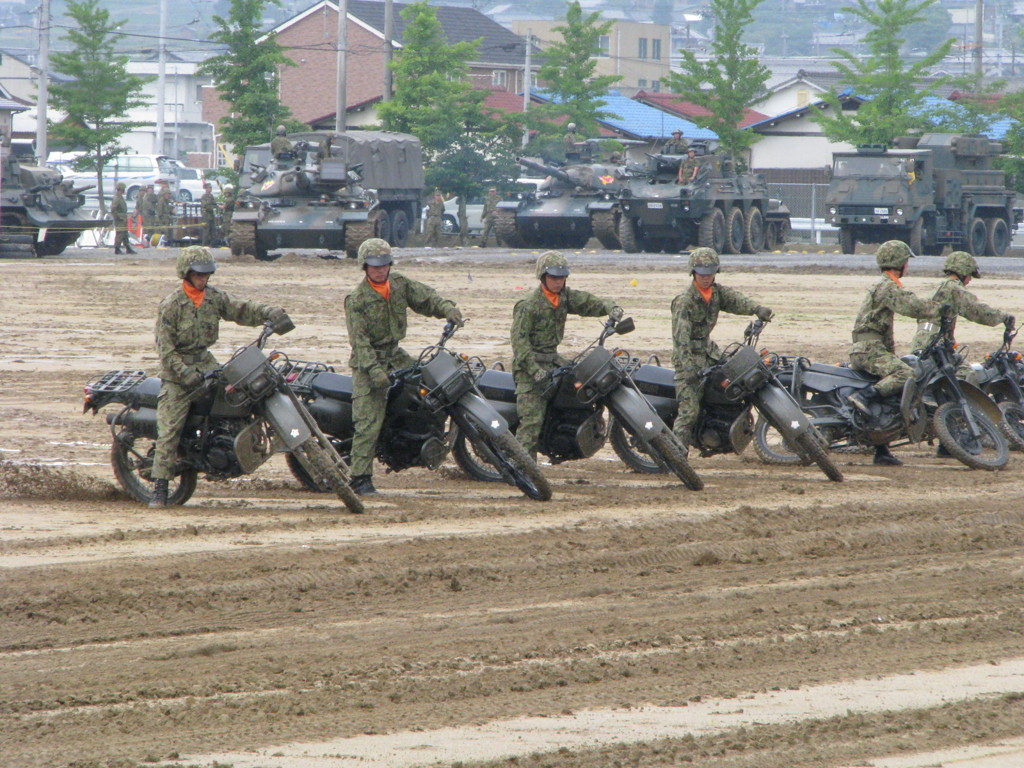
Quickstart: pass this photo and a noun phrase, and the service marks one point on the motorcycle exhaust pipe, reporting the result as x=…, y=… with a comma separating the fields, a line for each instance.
x=140, y=422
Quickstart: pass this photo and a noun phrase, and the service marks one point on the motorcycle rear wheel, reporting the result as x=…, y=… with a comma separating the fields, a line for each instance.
x=513, y=466
x=988, y=452
x=771, y=447
x=1012, y=424
x=132, y=459
x=632, y=451
x=321, y=468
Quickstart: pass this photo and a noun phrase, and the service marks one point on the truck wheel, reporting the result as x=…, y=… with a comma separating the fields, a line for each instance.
x=998, y=236
x=712, y=230
x=243, y=238
x=771, y=238
x=916, y=238
x=603, y=225
x=627, y=235
x=847, y=242
x=753, y=230
x=382, y=223
x=977, y=235
x=734, y=230
x=449, y=225
x=399, y=229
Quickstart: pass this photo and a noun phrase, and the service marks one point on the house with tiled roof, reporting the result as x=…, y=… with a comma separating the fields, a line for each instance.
x=677, y=105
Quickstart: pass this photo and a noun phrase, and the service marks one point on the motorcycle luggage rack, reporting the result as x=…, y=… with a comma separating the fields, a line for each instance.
x=113, y=382
x=300, y=374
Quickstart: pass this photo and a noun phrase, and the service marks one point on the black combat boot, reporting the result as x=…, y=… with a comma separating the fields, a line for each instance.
x=861, y=399
x=117, y=251
x=884, y=457
x=159, y=499
x=128, y=249
x=363, y=485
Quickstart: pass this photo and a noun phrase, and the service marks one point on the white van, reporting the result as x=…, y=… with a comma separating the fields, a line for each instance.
x=134, y=170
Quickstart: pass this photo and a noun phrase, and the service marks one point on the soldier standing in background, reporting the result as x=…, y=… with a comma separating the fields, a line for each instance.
x=227, y=211
x=140, y=204
x=149, y=210
x=164, y=211
x=689, y=167
x=208, y=206
x=119, y=212
x=375, y=313
x=280, y=143
x=488, y=214
x=677, y=145
x=463, y=220
x=435, y=210
x=569, y=143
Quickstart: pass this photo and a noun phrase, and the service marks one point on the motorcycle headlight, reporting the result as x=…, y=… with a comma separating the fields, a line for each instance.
x=832, y=211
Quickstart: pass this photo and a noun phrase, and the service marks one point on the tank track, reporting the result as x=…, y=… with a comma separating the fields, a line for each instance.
x=243, y=238
x=356, y=233
x=506, y=229
x=603, y=224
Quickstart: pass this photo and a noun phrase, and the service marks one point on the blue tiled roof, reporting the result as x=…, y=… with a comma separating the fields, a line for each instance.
x=998, y=126
x=643, y=121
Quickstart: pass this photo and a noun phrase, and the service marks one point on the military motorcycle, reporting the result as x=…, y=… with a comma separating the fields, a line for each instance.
x=574, y=423
x=1000, y=377
x=420, y=401
x=246, y=412
x=742, y=381
x=934, y=404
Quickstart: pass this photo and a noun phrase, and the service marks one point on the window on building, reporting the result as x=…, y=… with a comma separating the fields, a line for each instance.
x=603, y=46
x=656, y=86
x=656, y=49
x=641, y=51
x=199, y=94
x=641, y=83
x=803, y=96
x=499, y=78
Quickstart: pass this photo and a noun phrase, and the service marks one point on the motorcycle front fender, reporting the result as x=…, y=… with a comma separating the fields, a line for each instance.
x=781, y=410
x=636, y=414
x=483, y=413
x=981, y=401
x=287, y=422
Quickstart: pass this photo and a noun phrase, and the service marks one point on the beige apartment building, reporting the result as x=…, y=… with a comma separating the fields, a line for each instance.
x=638, y=53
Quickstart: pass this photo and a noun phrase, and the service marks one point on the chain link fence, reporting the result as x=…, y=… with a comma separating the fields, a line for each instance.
x=806, y=202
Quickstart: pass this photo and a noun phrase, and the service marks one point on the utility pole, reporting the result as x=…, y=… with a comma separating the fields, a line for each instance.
x=389, y=51
x=341, y=100
x=979, y=16
x=43, y=102
x=161, y=80
x=526, y=84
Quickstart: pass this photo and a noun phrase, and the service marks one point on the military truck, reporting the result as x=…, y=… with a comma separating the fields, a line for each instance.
x=929, y=191
x=722, y=209
x=571, y=205
x=40, y=213
x=331, y=190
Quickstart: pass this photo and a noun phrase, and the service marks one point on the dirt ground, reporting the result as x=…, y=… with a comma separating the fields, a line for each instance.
x=259, y=614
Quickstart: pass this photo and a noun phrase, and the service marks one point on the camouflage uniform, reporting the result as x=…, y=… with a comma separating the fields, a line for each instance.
x=280, y=145
x=675, y=145
x=140, y=203
x=686, y=169
x=375, y=327
x=119, y=212
x=149, y=218
x=226, y=213
x=874, y=347
x=184, y=334
x=693, y=319
x=165, y=212
x=487, y=215
x=537, y=329
x=569, y=141
x=463, y=220
x=208, y=206
x=435, y=210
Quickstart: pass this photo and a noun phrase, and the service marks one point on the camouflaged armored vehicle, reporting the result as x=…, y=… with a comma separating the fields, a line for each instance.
x=40, y=213
x=721, y=209
x=571, y=205
x=331, y=190
x=929, y=191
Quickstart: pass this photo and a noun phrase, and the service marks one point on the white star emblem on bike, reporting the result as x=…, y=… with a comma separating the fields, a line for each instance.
x=794, y=424
x=295, y=433
x=649, y=425
x=494, y=424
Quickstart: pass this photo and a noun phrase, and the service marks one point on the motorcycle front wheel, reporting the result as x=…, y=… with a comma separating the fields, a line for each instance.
x=472, y=462
x=813, y=448
x=1013, y=424
x=132, y=459
x=771, y=447
x=320, y=467
x=632, y=451
x=305, y=479
x=666, y=449
x=508, y=459
x=987, y=451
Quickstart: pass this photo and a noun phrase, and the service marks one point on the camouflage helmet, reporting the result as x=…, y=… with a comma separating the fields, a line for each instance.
x=552, y=263
x=374, y=252
x=961, y=263
x=196, y=258
x=120, y=186
x=893, y=254
x=704, y=261
x=280, y=130
x=571, y=126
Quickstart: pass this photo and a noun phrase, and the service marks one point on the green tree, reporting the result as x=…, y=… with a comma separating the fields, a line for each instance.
x=1012, y=160
x=894, y=98
x=100, y=92
x=246, y=75
x=567, y=74
x=727, y=82
x=463, y=144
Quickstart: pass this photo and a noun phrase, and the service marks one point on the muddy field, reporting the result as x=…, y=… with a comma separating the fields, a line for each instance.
x=260, y=619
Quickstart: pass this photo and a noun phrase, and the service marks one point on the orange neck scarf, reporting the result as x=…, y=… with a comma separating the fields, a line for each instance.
x=552, y=297
x=892, y=276
x=193, y=293
x=706, y=294
x=384, y=289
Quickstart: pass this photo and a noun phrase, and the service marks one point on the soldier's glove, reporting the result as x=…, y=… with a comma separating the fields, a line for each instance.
x=379, y=378
x=1009, y=321
x=280, y=321
x=616, y=314
x=454, y=316
x=276, y=313
x=764, y=314
x=193, y=379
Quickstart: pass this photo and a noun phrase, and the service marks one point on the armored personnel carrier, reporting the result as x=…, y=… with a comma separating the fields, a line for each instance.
x=572, y=205
x=331, y=190
x=40, y=213
x=929, y=191
x=722, y=209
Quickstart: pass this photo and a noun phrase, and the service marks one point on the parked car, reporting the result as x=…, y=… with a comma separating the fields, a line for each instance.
x=474, y=216
x=134, y=170
x=190, y=182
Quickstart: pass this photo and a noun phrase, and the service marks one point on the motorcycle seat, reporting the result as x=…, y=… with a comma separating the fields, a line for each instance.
x=145, y=394
x=655, y=380
x=336, y=386
x=841, y=370
x=497, y=385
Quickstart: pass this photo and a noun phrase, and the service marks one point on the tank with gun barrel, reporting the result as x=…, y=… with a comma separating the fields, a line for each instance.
x=719, y=208
x=330, y=190
x=571, y=205
x=40, y=213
